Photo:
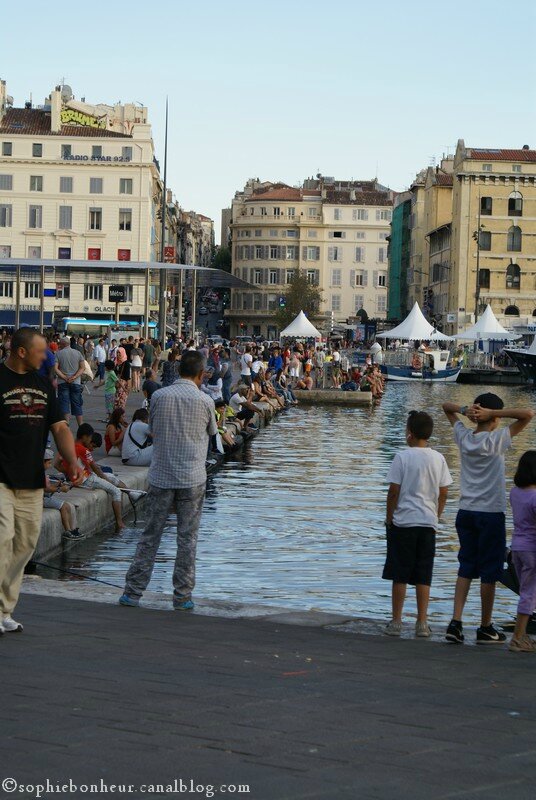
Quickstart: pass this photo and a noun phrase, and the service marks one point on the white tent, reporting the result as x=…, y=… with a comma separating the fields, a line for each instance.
x=487, y=327
x=414, y=328
x=301, y=327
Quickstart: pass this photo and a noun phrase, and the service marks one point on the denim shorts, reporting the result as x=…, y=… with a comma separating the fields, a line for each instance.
x=482, y=536
x=70, y=398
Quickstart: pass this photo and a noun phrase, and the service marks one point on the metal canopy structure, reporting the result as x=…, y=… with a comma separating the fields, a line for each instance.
x=202, y=277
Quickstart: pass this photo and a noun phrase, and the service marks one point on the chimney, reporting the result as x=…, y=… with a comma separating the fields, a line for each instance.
x=55, y=110
x=3, y=99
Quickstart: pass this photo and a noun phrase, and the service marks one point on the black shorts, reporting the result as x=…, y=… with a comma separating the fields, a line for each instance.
x=410, y=555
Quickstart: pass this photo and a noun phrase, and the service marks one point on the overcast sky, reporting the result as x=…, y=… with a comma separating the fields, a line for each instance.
x=283, y=90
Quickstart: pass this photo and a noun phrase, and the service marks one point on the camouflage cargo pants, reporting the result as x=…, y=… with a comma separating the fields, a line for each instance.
x=187, y=504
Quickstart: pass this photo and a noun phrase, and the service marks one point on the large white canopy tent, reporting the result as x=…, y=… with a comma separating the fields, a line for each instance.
x=300, y=327
x=486, y=328
x=415, y=328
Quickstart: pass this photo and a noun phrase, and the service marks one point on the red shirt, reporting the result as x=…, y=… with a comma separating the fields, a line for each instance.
x=85, y=458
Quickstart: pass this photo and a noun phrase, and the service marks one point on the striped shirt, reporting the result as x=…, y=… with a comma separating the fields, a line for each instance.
x=182, y=421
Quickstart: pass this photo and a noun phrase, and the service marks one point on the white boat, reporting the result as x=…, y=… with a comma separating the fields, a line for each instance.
x=408, y=364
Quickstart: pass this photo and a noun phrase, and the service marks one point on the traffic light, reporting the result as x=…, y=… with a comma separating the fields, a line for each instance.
x=282, y=302
x=242, y=326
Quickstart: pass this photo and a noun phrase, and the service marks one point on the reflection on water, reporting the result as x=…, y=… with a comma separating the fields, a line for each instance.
x=298, y=520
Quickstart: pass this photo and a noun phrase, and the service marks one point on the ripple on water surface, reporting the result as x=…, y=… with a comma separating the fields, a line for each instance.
x=298, y=520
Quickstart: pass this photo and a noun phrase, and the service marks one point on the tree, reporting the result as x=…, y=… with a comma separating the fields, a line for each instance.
x=222, y=259
x=299, y=296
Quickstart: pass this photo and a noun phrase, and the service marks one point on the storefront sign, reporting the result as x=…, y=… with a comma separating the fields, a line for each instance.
x=97, y=158
x=169, y=254
x=117, y=294
x=104, y=309
x=71, y=117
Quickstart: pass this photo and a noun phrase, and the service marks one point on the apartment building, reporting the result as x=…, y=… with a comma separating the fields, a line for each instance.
x=335, y=231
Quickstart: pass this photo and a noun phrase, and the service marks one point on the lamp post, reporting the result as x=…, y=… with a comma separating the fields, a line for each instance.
x=162, y=294
x=476, y=237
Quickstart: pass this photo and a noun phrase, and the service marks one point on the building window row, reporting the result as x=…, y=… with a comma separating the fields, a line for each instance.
x=514, y=239
x=66, y=151
x=274, y=252
x=515, y=205
x=65, y=218
x=489, y=168
x=93, y=253
x=512, y=277
x=66, y=184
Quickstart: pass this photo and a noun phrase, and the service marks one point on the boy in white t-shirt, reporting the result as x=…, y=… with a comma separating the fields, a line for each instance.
x=418, y=485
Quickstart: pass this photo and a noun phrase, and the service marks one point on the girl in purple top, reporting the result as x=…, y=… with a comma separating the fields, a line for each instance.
x=523, y=502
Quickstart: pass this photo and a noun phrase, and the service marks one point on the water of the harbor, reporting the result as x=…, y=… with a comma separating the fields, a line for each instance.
x=297, y=520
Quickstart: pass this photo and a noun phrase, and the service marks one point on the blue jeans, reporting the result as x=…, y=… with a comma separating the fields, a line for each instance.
x=70, y=398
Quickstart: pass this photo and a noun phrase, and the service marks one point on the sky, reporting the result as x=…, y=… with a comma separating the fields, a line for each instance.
x=282, y=90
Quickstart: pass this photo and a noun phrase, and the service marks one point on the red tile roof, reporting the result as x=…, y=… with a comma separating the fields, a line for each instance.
x=361, y=198
x=443, y=179
x=501, y=155
x=278, y=191
x=36, y=122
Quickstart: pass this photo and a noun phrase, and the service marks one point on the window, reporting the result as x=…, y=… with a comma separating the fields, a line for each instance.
x=123, y=254
x=125, y=185
x=7, y=148
x=32, y=289
x=37, y=150
x=289, y=276
x=312, y=234
x=263, y=211
x=257, y=276
x=272, y=300
x=486, y=206
x=515, y=205
x=95, y=186
x=251, y=211
x=35, y=217
x=383, y=214
x=516, y=167
x=64, y=252
x=486, y=167
x=6, y=215
x=96, y=151
x=336, y=277
x=313, y=276
x=382, y=280
x=36, y=183
x=6, y=288
x=511, y=311
x=360, y=254
x=311, y=253
x=382, y=252
x=484, y=278
x=273, y=276
x=513, y=239
x=291, y=212
x=381, y=303
x=360, y=213
x=360, y=235
x=258, y=232
x=484, y=240
x=513, y=277
x=337, y=234
x=360, y=278
x=337, y=213
x=63, y=291
x=34, y=251
x=126, y=153
x=66, y=218
x=273, y=233
x=274, y=251
x=383, y=235
x=292, y=252
x=93, y=253
x=358, y=302
x=335, y=302
x=334, y=253
x=95, y=219
x=311, y=212
x=66, y=185
x=259, y=250
x=93, y=291
x=5, y=251
x=277, y=211
x=66, y=151
x=292, y=234
x=6, y=183
x=257, y=299
x=125, y=219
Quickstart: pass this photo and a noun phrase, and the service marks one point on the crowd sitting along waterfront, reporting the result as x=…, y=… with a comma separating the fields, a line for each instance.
x=191, y=415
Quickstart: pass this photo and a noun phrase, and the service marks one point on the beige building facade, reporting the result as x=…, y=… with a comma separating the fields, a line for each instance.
x=335, y=231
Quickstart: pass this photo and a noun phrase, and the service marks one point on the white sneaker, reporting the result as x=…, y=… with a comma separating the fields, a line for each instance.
x=10, y=626
x=136, y=495
x=2, y=631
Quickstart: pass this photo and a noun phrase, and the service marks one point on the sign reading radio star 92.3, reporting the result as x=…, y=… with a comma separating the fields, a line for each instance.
x=117, y=294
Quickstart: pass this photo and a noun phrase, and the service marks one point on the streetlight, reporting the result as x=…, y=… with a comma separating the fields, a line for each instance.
x=476, y=237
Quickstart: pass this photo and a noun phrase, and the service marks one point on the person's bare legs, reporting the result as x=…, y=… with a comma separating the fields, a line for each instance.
x=521, y=625
x=423, y=598
x=487, y=598
x=65, y=514
x=460, y=596
x=119, y=525
x=79, y=419
x=398, y=597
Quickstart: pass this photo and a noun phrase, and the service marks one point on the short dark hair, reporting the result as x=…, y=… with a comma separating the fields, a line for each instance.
x=109, y=364
x=220, y=403
x=97, y=439
x=489, y=400
x=141, y=414
x=526, y=470
x=420, y=424
x=192, y=363
x=85, y=429
x=23, y=337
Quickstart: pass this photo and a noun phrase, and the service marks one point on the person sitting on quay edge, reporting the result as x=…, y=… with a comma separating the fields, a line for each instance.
x=305, y=383
x=150, y=385
x=93, y=476
x=137, y=450
x=282, y=387
x=115, y=432
x=418, y=486
x=227, y=436
x=53, y=499
x=212, y=384
x=242, y=405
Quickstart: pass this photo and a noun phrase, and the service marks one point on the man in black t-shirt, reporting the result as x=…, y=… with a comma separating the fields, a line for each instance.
x=129, y=346
x=28, y=410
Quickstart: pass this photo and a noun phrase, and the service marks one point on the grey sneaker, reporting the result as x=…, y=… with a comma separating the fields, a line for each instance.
x=393, y=628
x=522, y=645
x=9, y=625
x=422, y=630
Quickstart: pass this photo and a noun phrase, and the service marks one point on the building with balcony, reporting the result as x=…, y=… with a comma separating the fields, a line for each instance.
x=335, y=231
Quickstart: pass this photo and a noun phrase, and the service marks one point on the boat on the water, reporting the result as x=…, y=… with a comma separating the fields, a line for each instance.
x=525, y=360
x=428, y=363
